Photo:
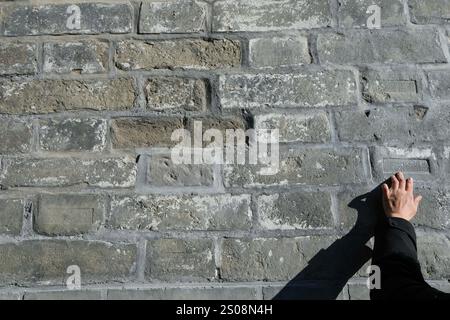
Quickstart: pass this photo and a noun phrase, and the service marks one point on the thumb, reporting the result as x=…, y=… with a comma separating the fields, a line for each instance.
x=417, y=200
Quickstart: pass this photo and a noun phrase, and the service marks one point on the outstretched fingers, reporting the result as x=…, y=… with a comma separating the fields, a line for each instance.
x=394, y=183
x=410, y=185
x=401, y=180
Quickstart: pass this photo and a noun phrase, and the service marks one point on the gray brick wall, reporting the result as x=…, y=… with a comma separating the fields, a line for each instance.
x=91, y=91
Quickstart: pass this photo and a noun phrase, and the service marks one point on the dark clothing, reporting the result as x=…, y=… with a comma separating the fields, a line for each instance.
x=395, y=253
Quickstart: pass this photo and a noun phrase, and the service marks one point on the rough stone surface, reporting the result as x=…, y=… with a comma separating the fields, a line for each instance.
x=295, y=211
x=181, y=212
x=18, y=58
x=64, y=295
x=57, y=172
x=68, y=214
x=169, y=93
x=185, y=260
x=250, y=15
x=280, y=51
x=61, y=18
x=16, y=136
x=430, y=11
x=11, y=216
x=76, y=57
x=439, y=81
x=434, y=255
x=304, y=89
x=173, y=17
x=178, y=54
x=28, y=97
x=72, y=135
x=375, y=46
x=47, y=261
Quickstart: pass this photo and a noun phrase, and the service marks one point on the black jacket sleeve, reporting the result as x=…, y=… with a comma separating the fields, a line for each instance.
x=395, y=253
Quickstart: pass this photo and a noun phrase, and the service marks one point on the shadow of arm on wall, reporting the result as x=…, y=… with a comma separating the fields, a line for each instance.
x=330, y=269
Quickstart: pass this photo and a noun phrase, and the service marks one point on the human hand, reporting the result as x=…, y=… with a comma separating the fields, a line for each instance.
x=399, y=200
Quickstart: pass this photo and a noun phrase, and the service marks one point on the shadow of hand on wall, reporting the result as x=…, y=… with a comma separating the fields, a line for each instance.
x=329, y=270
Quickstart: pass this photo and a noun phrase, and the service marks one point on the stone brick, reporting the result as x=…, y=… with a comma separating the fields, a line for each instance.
x=295, y=210
x=18, y=58
x=181, y=212
x=128, y=133
x=58, y=172
x=380, y=46
x=439, y=82
x=16, y=136
x=308, y=88
x=68, y=214
x=64, y=295
x=434, y=255
x=46, y=96
x=72, y=134
x=178, y=54
x=391, y=85
x=279, y=51
x=10, y=296
x=173, y=17
x=269, y=259
x=177, y=259
x=354, y=13
x=57, y=19
x=182, y=293
x=441, y=285
x=169, y=93
x=434, y=209
x=161, y=171
x=249, y=15
x=76, y=57
x=46, y=261
x=220, y=123
x=419, y=163
x=358, y=291
x=304, y=127
x=394, y=126
x=430, y=11
x=302, y=167
x=323, y=290
x=11, y=216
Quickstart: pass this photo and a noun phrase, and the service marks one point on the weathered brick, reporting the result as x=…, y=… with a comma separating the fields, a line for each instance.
x=419, y=163
x=295, y=210
x=35, y=261
x=434, y=209
x=61, y=18
x=77, y=57
x=354, y=13
x=391, y=85
x=64, y=295
x=302, y=167
x=128, y=133
x=57, y=172
x=72, y=134
x=173, y=17
x=394, y=126
x=323, y=290
x=177, y=259
x=434, y=255
x=279, y=51
x=11, y=216
x=358, y=291
x=380, y=46
x=222, y=123
x=178, y=54
x=439, y=81
x=308, y=88
x=430, y=11
x=10, y=296
x=183, y=293
x=18, y=58
x=161, y=171
x=269, y=259
x=46, y=96
x=181, y=212
x=16, y=136
x=68, y=214
x=248, y=15
x=304, y=127
x=169, y=93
